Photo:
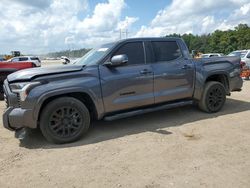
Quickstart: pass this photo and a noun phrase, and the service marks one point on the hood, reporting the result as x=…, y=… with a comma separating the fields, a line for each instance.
x=28, y=74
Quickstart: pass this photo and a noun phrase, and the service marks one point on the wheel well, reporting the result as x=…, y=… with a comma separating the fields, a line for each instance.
x=83, y=97
x=220, y=78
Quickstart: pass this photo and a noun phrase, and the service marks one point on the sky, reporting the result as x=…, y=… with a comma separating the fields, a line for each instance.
x=41, y=26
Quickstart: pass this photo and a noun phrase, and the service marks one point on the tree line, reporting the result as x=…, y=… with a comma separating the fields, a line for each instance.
x=218, y=41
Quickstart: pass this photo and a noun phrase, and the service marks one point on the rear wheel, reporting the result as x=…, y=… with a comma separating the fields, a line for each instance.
x=213, y=98
x=64, y=120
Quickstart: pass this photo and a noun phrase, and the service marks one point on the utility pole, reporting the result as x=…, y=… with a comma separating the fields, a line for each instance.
x=124, y=31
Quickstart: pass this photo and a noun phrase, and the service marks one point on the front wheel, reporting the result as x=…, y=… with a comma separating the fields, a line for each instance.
x=64, y=120
x=213, y=98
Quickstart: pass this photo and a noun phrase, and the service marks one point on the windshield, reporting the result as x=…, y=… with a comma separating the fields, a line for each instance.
x=94, y=55
x=238, y=53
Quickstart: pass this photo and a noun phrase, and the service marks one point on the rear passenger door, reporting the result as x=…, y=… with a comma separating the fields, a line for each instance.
x=173, y=74
x=129, y=85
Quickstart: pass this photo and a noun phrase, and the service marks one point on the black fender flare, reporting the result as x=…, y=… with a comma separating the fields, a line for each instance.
x=60, y=92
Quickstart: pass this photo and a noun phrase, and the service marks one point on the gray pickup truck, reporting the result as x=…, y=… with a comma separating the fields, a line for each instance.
x=116, y=80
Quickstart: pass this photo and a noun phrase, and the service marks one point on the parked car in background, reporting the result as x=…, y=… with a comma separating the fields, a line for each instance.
x=33, y=59
x=65, y=60
x=211, y=55
x=245, y=61
x=7, y=68
x=243, y=54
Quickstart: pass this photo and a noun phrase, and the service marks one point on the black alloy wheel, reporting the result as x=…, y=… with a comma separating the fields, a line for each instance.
x=64, y=120
x=213, y=98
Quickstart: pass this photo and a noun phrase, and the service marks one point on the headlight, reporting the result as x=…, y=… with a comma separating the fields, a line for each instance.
x=23, y=88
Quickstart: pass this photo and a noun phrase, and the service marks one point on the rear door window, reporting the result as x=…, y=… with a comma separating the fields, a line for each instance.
x=166, y=51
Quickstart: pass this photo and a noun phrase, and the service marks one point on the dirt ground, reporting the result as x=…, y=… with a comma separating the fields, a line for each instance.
x=182, y=147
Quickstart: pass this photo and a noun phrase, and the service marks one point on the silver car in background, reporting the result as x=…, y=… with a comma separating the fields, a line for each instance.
x=243, y=54
x=211, y=55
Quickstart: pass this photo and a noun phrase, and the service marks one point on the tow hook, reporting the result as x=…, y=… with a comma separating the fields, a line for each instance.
x=21, y=133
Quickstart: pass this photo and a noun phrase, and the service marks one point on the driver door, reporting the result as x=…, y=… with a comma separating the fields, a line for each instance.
x=129, y=85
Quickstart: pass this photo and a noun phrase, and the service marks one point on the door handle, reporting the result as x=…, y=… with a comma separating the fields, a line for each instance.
x=145, y=71
x=186, y=66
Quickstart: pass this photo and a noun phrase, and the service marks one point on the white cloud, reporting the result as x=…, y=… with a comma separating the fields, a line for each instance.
x=51, y=25
x=194, y=16
x=57, y=24
x=127, y=23
x=37, y=3
x=69, y=40
x=104, y=17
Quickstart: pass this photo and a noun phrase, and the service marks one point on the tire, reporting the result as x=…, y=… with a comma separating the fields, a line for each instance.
x=213, y=98
x=64, y=120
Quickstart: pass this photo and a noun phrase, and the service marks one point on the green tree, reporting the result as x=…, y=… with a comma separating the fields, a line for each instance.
x=219, y=41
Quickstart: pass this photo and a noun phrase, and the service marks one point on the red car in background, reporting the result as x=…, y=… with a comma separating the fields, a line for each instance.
x=7, y=68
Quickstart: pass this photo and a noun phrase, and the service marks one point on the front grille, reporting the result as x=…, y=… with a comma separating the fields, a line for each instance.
x=18, y=100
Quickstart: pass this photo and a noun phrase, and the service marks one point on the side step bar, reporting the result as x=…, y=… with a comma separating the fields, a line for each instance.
x=147, y=110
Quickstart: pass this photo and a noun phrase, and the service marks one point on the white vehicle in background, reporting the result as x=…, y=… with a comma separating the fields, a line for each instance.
x=65, y=60
x=33, y=59
x=211, y=55
x=243, y=54
x=245, y=62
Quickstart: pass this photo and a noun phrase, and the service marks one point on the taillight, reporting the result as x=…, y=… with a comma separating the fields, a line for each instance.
x=242, y=64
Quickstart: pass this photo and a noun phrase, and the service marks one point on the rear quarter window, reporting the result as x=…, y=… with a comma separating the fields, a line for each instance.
x=166, y=51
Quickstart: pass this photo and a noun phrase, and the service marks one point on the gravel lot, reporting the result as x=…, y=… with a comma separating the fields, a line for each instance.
x=181, y=147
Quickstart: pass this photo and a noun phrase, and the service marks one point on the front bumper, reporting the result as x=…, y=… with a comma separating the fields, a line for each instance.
x=15, y=117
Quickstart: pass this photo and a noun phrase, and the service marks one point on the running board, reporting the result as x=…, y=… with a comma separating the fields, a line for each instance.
x=147, y=110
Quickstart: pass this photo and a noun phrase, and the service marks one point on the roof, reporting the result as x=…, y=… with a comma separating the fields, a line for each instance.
x=24, y=56
x=150, y=39
x=211, y=54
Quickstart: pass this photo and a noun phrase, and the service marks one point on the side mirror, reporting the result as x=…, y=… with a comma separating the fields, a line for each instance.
x=248, y=56
x=117, y=60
